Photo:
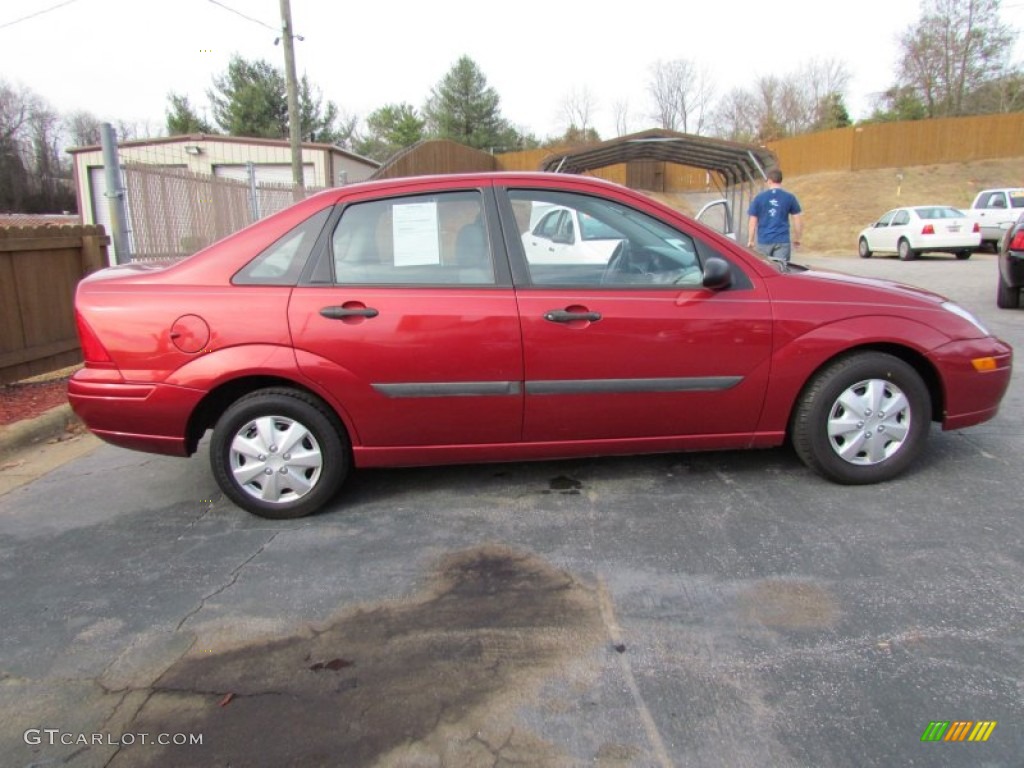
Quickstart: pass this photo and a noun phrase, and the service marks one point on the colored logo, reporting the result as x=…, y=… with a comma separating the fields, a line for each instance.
x=959, y=730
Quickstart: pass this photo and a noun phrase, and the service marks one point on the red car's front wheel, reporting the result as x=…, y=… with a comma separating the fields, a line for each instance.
x=863, y=419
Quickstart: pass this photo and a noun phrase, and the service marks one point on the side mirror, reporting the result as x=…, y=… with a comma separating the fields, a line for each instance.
x=717, y=274
x=562, y=238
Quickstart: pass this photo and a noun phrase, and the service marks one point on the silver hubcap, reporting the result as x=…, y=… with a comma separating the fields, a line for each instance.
x=869, y=422
x=275, y=459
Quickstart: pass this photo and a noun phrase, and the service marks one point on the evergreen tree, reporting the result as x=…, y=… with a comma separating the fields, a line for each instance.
x=250, y=100
x=390, y=128
x=182, y=119
x=462, y=107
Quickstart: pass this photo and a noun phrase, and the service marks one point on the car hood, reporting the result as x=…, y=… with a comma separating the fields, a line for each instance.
x=873, y=288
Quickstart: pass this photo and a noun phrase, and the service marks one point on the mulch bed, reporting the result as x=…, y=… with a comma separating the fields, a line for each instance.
x=25, y=400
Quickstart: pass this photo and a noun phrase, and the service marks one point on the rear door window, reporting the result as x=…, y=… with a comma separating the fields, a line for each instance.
x=438, y=239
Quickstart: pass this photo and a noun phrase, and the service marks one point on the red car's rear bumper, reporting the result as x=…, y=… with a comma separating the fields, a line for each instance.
x=143, y=417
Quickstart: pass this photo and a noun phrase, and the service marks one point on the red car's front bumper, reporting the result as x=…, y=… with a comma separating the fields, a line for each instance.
x=975, y=376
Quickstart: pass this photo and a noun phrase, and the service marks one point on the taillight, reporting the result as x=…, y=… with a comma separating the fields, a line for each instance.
x=93, y=352
x=928, y=230
x=1017, y=241
x=977, y=227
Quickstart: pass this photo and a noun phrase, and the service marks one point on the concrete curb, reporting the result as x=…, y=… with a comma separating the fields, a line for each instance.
x=22, y=434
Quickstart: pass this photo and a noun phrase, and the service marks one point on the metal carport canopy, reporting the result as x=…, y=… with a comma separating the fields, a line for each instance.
x=737, y=163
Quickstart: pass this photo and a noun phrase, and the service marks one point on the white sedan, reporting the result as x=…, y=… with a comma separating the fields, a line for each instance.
x=913, y=230
x=561, y=235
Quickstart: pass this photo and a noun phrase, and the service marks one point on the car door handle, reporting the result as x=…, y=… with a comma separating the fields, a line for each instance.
x=564, y=316
x=340, y=313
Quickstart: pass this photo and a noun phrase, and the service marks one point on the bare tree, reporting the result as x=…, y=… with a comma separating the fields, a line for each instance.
x=51, y=173
x=578, y=108
x=83, y=128
x=774, y=107
x=736, y=118
x=620, y=109
x=823, y=83
x=682, y=95
x=957, y=48
x=772, y=101
x=15, y=108
x=35, y=177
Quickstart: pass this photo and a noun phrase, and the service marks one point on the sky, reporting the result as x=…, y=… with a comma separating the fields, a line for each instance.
x=120, y=58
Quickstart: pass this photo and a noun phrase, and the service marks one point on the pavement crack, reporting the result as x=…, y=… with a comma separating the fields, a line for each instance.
x=494, y=751
x=199, y=518
x=232, y=578
x=615, y=635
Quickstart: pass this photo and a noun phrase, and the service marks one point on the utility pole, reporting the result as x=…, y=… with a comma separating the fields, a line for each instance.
x=294, y=120
x=115, y=195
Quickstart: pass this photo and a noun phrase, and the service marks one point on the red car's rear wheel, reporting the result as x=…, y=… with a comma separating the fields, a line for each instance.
x=279, y=453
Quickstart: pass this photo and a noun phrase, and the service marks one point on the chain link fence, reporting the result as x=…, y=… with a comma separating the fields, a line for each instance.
x=174, y=212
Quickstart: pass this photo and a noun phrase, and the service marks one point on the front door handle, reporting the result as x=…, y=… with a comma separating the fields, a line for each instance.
x=564, y=316
x=340, y=313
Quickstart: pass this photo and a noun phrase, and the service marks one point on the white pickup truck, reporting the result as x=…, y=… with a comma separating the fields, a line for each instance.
x=996, y=210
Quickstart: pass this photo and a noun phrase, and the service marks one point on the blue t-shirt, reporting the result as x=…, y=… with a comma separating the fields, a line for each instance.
x=773, y=207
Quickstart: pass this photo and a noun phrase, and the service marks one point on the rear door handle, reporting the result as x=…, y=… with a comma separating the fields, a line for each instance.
x=564, y=316
x=340, y=313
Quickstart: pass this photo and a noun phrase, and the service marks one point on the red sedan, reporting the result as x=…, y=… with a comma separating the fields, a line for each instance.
x=403, y=323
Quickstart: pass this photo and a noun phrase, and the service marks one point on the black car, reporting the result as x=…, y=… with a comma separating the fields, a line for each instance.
x=1011, y=266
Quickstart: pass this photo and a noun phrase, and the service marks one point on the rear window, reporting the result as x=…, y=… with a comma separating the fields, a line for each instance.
x=940, y=212
x=281, y=262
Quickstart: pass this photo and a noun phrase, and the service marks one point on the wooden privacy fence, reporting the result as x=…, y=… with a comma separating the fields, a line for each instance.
x=39, y=269
x=896, y=145
x=858, y=148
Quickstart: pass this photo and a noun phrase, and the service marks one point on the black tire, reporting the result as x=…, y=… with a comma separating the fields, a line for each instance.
x=1007, y=297
x=964, y=255
x=820, y=405
x=904, y=250
x=299, y=487
x=862, y=249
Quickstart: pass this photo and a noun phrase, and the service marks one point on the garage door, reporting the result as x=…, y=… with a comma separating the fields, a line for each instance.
x=278, y=173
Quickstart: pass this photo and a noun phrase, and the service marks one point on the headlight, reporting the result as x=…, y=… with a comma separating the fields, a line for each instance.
x=959, y=311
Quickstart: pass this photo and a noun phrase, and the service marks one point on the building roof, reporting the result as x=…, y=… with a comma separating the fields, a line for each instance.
x=736, y=162
x=195, y=137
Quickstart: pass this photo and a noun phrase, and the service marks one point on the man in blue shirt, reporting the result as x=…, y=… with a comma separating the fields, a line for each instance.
x=770, y=213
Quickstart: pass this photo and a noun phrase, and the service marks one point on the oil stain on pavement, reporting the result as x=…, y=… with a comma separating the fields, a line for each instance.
x=435, y=679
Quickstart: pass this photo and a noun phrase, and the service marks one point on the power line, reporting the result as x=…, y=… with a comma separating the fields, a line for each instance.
x=247, y=18
x=38, y=13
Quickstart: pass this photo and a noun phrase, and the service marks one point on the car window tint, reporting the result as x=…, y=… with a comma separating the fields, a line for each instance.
x=1017, y=199
x=900, y=219
x=884, y=221
x=625, y=248
x=281, y=263
x=438, y=239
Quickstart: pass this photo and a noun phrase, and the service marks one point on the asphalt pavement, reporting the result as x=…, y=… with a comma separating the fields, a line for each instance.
x=721, y=609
